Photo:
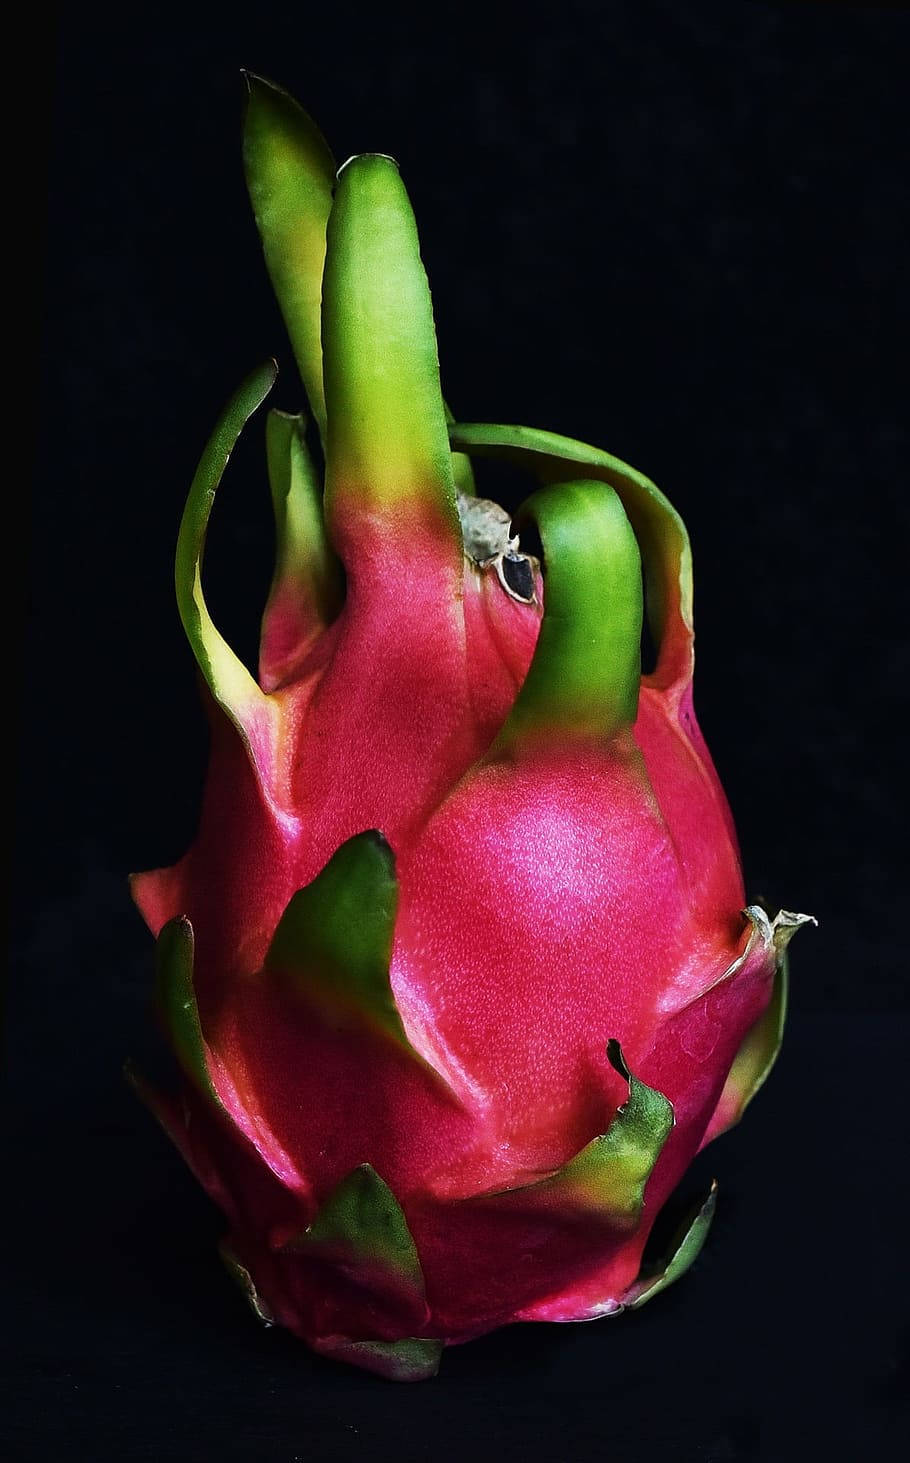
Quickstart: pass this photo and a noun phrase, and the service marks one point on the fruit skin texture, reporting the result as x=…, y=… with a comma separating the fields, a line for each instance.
x=457, y=970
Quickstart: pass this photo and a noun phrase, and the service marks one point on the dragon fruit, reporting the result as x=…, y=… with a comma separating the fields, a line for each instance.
x=457, y=970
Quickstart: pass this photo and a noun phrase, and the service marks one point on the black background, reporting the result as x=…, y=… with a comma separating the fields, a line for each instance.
x=677, y=230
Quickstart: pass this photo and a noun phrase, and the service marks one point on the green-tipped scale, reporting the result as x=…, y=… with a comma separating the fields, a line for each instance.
x=761, y=1045
x=685, y=1249
x=334, y=941
x=307, y=590
x=413, y=1359
x=308, y=584
x=607, y=1179
x=361, y=1229
x=177, y=1007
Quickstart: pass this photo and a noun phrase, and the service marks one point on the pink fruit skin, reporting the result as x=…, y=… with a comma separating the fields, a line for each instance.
x=551, y=898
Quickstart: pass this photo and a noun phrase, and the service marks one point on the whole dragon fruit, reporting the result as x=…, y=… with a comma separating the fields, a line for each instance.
x=457, y=970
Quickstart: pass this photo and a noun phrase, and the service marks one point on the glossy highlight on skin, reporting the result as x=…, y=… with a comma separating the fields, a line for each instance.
x=457, y=970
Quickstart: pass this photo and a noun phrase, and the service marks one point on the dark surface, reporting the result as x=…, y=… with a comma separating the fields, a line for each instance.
x=675, y=230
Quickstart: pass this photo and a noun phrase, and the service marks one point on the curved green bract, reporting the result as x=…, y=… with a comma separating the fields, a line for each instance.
x=176, y=1000
x=388, y=445
x=661, y=533
x=362, y=1227
x=334, y=940
x=760, y=1049
x=413, y=1359
x=585, y=675
x=606, y=1180
x=290, y=173
x=685, y=1250
x=228, y=678
x=308, y=580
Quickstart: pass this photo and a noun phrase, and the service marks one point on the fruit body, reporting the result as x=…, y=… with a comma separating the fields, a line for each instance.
x=457, y=970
